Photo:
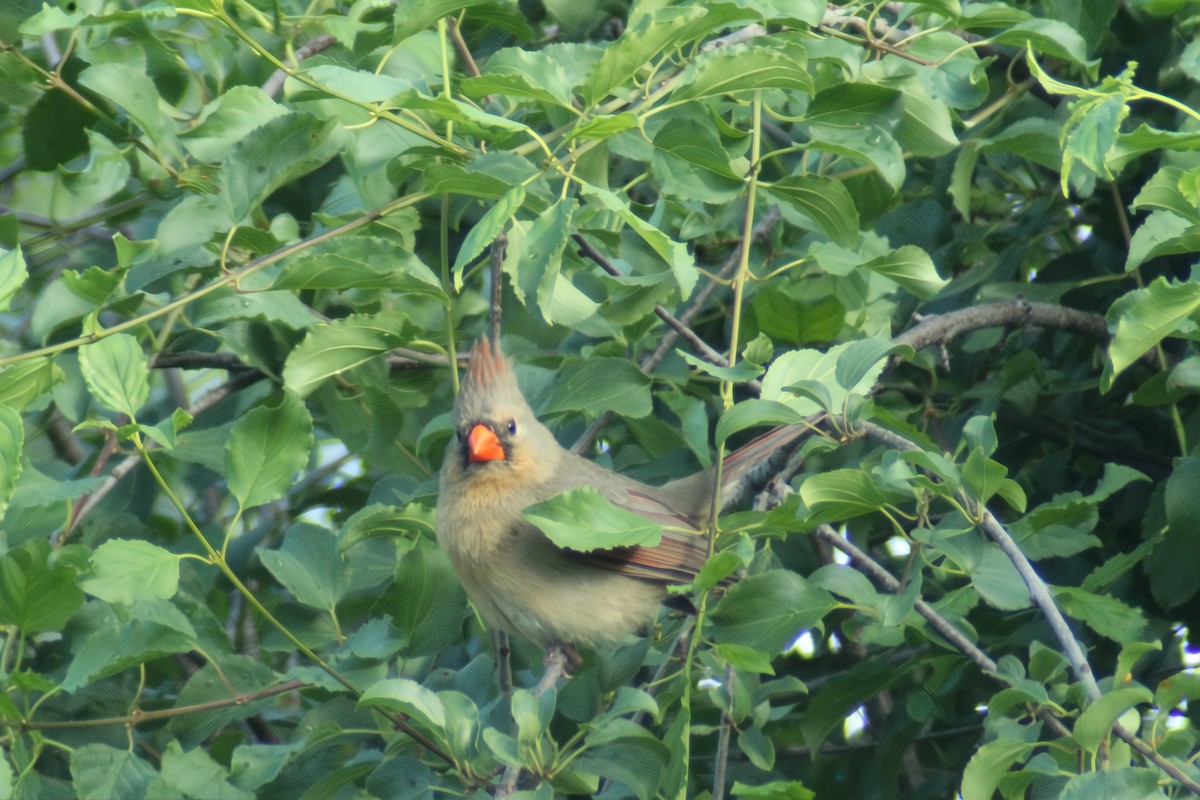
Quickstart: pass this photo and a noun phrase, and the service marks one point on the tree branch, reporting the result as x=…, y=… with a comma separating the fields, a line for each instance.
x=968, y=648
x=1020, y=312
x=1038, y=589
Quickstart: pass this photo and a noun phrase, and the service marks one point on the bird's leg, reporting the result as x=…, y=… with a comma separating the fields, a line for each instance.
x=559, y=656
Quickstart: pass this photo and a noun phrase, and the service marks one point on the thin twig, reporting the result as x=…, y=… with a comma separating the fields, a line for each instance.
x=722, y=757
x=697, y=303
x=158, y=714
x=461, y=46
x=701, y=346
x=499, y=245
x=694, y=307
x=274, y=84
x=89, y=501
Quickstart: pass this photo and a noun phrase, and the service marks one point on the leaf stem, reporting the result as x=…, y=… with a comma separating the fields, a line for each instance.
x=224, y=280
x=218, y=560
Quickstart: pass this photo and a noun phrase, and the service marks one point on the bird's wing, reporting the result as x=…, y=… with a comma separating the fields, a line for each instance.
x=675, y=559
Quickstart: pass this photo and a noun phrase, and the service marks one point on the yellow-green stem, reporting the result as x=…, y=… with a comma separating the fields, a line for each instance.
x=225, y=280
x=219, y=562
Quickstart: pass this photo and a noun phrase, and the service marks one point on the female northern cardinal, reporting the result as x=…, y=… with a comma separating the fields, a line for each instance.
x=504, y=460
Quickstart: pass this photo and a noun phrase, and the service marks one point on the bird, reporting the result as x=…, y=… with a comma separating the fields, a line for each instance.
x=502, y=460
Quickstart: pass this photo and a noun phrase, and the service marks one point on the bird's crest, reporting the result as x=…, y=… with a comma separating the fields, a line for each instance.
x=489, y=379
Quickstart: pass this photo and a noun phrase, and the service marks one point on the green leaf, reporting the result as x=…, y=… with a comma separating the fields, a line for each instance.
x=767, y=611
x=369, y=87
x=1095, y=723
x=281, y=150
x=1164, y=191
x=861, y=357
x=196, y=774
x=912, y=268
x=825, y=201
x=166, y=432
x=209, y=687
x=674, y=253
x=484, y=231
x=1129, y=656
x=532, y=714
x=691, y=163
x=308, y=565
x=744, y=68
x=95, y=285
x=980, y=434
x=638, y=761
x=266, y=448
x=741, y=372
x=101, y=772
x=982, y=476
x=646, y=35
x=522, y=73
x=13, y=275
x=1050, y=37
x=462, y=725
x=1104, y=614
x=129, y=570
x=1170, y=566
x=775, y=790
x=134, y=91
x=1141, y=319
x=752, y=413
x=600, y=384
x=841, y=494
x=757, y=747
x=467, y=118
x=583, y=519
x=407, y=697
x=856, y=120
x=456, y=179
x=148, y=630
x=229, y=118
x=602, y=126
x=1121, y=783
x=797, y=366
x=117, y=372
x=989, y=765
x=997, y=580
x=413, y=16
x=927, y=128
x=1163, y=233
x=12, y=439
x=24, y=382
x=426, y=601
x=534, y=260
x=37, y=591
x=332, y=348
x=363, y=262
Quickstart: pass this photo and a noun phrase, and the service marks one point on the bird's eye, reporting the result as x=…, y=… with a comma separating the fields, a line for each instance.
x=512, y=427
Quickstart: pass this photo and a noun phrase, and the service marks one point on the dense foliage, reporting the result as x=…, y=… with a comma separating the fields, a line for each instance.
x=241, y=242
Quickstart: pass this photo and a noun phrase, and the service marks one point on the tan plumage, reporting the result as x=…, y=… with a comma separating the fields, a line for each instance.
x=503, y=460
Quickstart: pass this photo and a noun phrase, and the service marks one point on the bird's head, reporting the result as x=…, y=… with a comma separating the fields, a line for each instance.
x=494, y=424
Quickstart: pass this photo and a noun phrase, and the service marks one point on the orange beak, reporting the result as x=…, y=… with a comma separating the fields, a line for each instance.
x=482, y=445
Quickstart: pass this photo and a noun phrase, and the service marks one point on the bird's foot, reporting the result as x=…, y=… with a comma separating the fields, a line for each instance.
x=559, y=656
